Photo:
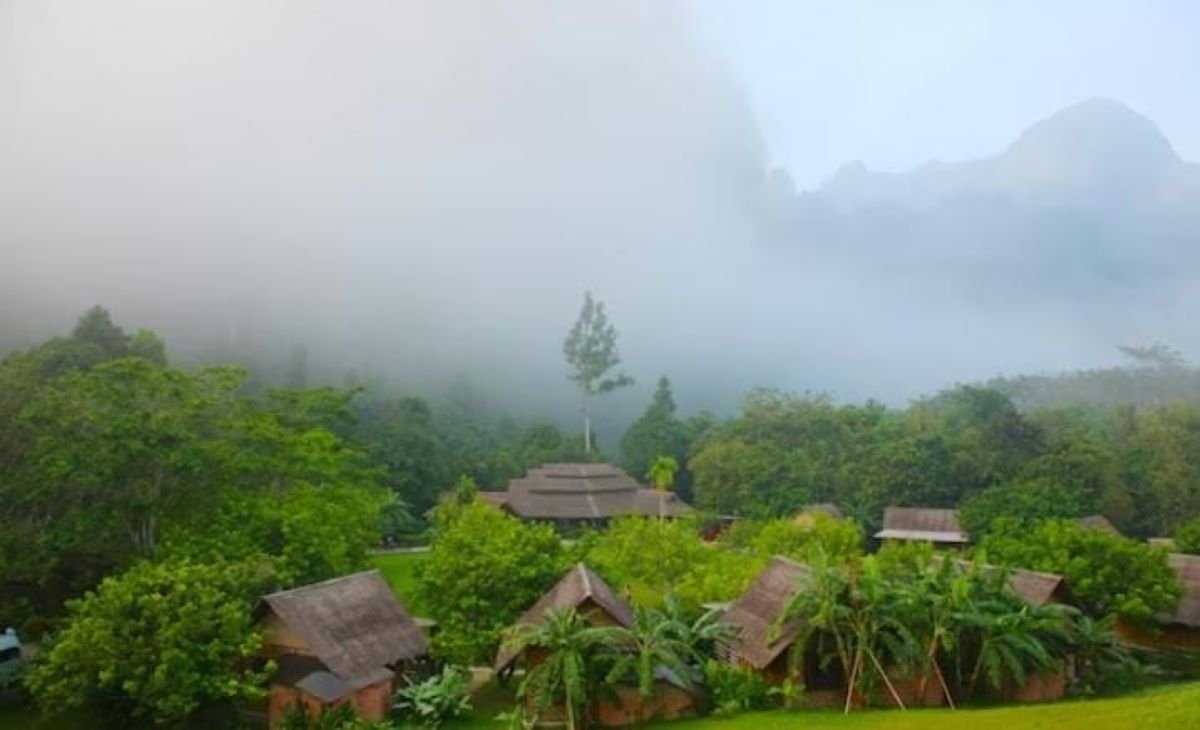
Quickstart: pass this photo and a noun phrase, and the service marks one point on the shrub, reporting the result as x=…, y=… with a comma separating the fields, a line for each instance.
x=162, y=639
x=1107, y=573
x=436, y=699
x=735, y=689
x=1187, y=537
x=484, y=569
x=342, y=717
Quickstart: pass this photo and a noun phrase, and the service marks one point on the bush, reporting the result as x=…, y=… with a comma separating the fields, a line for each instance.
x=436, y=699
x=735, y=689
x=161, y=639
x=1187, y=537
x=1108, y=574
x=484, y=569
x=342, y=717
x=649, y=558
x=803, y=537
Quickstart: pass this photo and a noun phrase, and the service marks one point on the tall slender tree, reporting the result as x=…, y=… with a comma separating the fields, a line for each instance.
x=591, y=352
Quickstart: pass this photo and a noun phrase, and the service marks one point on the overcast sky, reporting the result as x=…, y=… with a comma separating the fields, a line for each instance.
x=895, y=83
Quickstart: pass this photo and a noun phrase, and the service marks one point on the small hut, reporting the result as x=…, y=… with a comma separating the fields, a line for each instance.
x=596, y=602
x=922, y=524
x=576, y=495
x=1179, y=629
x=765, y=645
x=337, y=642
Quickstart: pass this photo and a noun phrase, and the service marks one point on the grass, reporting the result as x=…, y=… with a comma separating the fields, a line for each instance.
x=1162, y=707
x=400, y=570
x=1173, y=707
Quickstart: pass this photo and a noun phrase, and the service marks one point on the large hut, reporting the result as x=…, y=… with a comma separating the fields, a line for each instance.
x=922, y=524
x=596, y=602
x=1179, y=628
x=573, y=495
x=337, y=642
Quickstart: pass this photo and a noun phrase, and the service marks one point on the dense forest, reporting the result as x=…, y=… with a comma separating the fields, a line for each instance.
x=109, y=453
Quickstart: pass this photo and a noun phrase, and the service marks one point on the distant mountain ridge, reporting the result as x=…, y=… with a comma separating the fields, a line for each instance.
x=1095, y=148
x=1092, y=196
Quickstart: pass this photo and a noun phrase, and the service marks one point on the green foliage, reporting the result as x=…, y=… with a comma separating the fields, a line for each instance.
x=342, y=717
x=649, y=558
x=484, y=569
x=435, y=700
x=160, y=640
x=399, y=435
x=658, y=639
x=115, y=456
x=808, y=535
x=1108, y=574
x=1026, y=502
x=735, y=690
x=910, y=609
x=1102, y=660
x=656, y=434
x=662, y=472
x=1187, y=537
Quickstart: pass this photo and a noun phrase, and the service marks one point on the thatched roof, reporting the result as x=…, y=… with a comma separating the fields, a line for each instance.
x=583, y=492
x=1037, y=588
x=1031, y=586
x=354, y=625
x=580, y=589
x=1187, y=569
x=753, y=616
x=922, y=524
x=1098, y=522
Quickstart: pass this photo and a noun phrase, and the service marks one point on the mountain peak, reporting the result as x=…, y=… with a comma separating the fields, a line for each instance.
x=1095, y=135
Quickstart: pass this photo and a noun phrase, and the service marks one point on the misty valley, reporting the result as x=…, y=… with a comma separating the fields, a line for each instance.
x=694, y=364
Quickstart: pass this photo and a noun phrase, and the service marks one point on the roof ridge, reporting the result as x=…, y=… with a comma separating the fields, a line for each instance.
x=321, y=584
x=587, y=581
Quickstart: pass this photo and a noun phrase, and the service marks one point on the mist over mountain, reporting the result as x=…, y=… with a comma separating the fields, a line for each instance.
x=414, y=191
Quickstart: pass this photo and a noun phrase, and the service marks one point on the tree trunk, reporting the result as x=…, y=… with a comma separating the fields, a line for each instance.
x=587, y=426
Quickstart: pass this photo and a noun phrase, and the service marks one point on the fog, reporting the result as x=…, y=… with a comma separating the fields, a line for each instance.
x=415, y=190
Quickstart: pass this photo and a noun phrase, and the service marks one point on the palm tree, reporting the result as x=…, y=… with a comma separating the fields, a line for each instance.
x=700, y=635
x=1011, y=639
x=662, y=472
x=565, y=671
x=654, y=643
x=1098, y=652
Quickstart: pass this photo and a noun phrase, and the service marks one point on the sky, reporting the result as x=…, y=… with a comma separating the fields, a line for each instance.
x=896, y=83
x=416, y=189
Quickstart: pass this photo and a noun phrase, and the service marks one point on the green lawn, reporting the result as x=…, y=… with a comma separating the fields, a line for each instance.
x=400, y=570
x=1165, y=707
x=1168, y=708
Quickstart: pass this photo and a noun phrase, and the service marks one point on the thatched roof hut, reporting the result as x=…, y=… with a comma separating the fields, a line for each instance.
x=582, y=590
x=922, y=524
x=754, y=616
x=583, y=493
x=337, y=641
x=1187, y=569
